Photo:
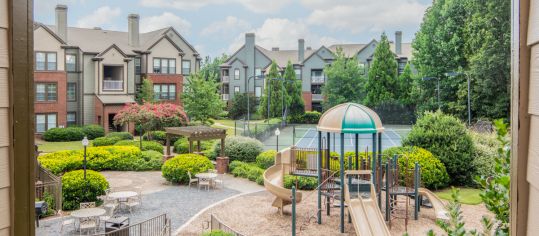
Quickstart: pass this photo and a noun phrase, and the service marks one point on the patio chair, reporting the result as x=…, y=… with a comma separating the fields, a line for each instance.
x=133, y=202
x=206, y=182
x=84, y=205
x=66, y=221
x=191, y=179
x=108, y=214
x=87, y=225
x=219, y=181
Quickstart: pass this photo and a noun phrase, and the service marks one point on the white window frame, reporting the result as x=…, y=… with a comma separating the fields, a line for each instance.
x=258, y=91
x=236, y=74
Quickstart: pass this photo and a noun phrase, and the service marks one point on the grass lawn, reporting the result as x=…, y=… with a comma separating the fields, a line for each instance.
x=45, y=146
x=229, y=124
x=468, y=196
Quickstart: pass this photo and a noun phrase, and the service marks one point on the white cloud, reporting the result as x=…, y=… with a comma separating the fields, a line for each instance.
x=359, y=16
x=166, y=19
x=283, y=33
x=101, y=16
x=231, y=24
x=253, y=5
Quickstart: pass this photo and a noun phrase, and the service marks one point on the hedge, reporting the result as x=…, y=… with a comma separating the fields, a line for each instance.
x=105, y=141
x=303, y=183
x=218, y=233
x=240, y=148
x=93, y=131
x=433, y=172
x=76, y=190
x=266, y=159
x=175, y=169
x=247, y=170
x=98, y=158
x=73, y=133
x=485, y=152
x=448, y=139
x=160, y=137
x=146, y=145
x=120, y=135
x=309, y=117
x=153, y=158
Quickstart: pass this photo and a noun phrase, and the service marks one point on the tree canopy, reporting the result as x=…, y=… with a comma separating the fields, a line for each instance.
x=294, y=100
x=210, y=69
x=382, y=84
x=201, y=99
x=145, y=93
x=274, y=84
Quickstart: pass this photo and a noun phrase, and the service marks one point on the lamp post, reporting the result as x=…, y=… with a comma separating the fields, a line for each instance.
x=454, y=74
x=437, y=87
x=85, y=143
x=277, y=133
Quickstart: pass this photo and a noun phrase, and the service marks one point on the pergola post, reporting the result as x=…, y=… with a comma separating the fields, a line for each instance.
x=190, y=146
x=198, y=146
x=168, y=146
x=222, y=147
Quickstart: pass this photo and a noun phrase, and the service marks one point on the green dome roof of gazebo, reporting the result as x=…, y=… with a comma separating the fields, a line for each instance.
x=350, y=118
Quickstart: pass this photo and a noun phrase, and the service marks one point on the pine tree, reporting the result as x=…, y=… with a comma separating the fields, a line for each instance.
x=406, y=85
x=382, y=84
x=145, y=93
x=274, y=85
x=294, y=101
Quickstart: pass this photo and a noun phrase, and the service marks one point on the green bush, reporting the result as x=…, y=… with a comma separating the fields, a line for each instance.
x=160, y=137
x=309, y=117
x=448, y=139
x=76, y=190
x=266, y=159
x=146, y=145
x=120, y=135
x=247, y=170
x=93, y=131
x=241, y=148
x=304, y=183
x=105, y=141
x=153, y=158
x=218, y=233
x=63, y=134
x=175, y=169
x=433, y=172
x=485, y=153
x=98, y=158
x=181, y=146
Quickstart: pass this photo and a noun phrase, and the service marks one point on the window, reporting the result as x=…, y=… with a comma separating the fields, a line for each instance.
x=45, y=61
x=71, y=62
x=298, y=73
x=186, y=67
x=164, y=91
x=236, y=89
x=258, y=91
x=361, y=68
x=137, y=66
x=71, y=92
x=317, y=76
x=71, y=118
x=164, y=66
x=46, y=92
x=258, y=72
x=316, y=89
x=113, y=78
x=45, y=122
x=402, y=65
x=236, y=74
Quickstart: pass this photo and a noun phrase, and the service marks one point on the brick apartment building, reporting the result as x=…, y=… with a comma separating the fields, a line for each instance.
x=85, y=75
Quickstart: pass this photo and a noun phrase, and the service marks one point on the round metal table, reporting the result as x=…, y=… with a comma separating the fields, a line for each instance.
x=206, y=175
x=122, y=194
x=88, y=212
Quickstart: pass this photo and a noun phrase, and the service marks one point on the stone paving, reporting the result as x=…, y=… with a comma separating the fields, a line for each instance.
x=180, y=203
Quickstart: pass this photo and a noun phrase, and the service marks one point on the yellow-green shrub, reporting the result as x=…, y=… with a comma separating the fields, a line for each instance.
x=266, y=159
x=76, y=190
x=146, y=145
x=175, y=169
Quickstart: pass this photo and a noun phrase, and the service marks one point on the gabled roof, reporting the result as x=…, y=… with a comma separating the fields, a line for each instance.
x=316, y=53
x=168, y=39
x=38, y=25
x=349, y=50
x=111, y=47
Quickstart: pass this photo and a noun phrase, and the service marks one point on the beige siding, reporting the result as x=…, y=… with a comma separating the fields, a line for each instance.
x=5, y=180
x=533, y=110
x=44, y=41
x=115, y=58
x=534, y=81
x=165, y=49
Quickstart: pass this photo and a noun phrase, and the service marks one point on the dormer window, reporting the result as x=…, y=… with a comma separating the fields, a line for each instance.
x=164, y=66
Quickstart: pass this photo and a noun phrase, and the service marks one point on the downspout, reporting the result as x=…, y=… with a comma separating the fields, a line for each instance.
x=82, y=88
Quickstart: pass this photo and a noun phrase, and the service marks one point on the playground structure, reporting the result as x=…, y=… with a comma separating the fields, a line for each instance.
x=356, y=181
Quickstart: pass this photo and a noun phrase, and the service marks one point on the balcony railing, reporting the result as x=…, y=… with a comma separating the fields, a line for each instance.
x=225, y=97
x=113, y=85
x=317, y=79
x=317, y=97
x=225, y=79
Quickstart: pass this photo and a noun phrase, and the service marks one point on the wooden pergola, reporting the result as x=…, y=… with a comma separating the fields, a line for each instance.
x=196, y=133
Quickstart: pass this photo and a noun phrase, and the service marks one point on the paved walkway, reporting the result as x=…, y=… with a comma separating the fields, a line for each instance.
x=158, y=197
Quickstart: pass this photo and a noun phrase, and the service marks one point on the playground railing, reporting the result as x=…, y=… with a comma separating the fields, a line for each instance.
x=217, y=224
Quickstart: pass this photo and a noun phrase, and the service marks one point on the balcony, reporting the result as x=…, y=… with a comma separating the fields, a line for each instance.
x=317, y=79
x=225, y=79
x=225, y=97
x=317, y=97
x=116, y=85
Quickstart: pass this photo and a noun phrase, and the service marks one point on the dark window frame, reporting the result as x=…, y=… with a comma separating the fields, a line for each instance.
x=76, y=62
x=138, y=68
x=190, y=66
x=75, y=92
x=168, y=97
x=160, y=59
x=103, y=78
x=68, y=123
x=46, y=84
x=46, y=120
x=46, y=68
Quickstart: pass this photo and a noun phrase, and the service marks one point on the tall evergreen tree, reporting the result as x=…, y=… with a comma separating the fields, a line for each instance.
x=145, y=94
x=294, y=101
x=382, y=84
x=406, y=86
x=345, y=83
x=274, y=85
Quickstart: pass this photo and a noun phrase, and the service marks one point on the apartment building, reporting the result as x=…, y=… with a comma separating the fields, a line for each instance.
x=238, y=73
x=86, y=75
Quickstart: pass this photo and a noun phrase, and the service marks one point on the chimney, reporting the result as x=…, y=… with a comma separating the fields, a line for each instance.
x=398, y=42
x=309, y=48
x=133, y=29
x=61, y=21
x=275, y=49
x=301, y=50
x=250, y=40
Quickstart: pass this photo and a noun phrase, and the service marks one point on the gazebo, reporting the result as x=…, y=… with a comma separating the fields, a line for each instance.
x=197, y=134
x=348, y=118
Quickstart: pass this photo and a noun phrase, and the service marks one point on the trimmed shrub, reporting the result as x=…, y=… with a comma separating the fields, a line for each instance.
x=63, y=134
x=266, y=159
x=309, y=117
x=76, y=190
x=218, y=233
x=304, y=183
x=120, y=135
x=175, y=169
x=433, y=172
x=247, y=170
x=160, y=137
x=98, y=158
x=93, y=131
x=146, y=145
x=105, y=141
x=154, y=159
x=448, y=139
x=485, y=153
x=240, y=148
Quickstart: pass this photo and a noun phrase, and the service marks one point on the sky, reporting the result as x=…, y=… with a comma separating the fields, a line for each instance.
x=214, y=27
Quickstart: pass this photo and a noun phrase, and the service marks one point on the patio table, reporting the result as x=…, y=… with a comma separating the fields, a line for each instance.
x=122, y=194
x=88, y=212
x=210, y=176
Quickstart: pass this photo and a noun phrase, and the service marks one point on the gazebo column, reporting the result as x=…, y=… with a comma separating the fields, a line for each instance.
x=328, y=174
x=319, y=168
x=342, y=182
x=356, y=148
x=380, y=172
x=222, y=160
x=373, y=162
